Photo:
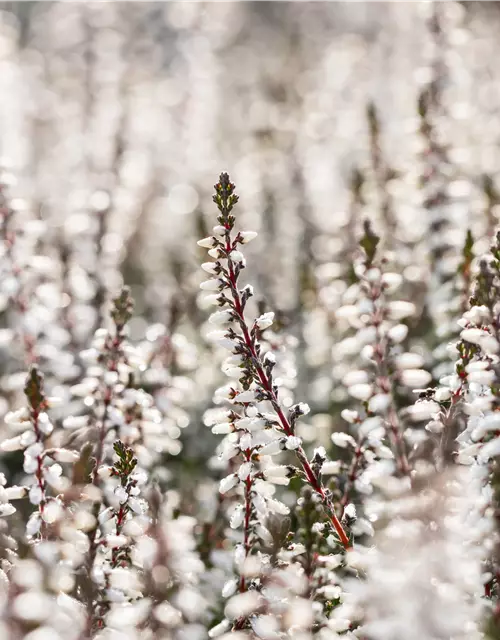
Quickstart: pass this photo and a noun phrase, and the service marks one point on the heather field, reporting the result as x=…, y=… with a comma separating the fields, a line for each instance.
x=249, y=320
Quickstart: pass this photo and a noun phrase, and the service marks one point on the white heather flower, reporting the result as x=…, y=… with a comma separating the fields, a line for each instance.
x=265, y=320
x=220, y=338
x=242, y=605
x=15, y=418
x=121, y=495
x=397, y=333
x=348, y=312
x=227, y=483
x=355, y=377
x=489, y=345
x=210, y=267
x=415, y=377
x=245, y=441
x=231, y=372
x=485, y=377
x=35, y=494
x=442, y=394
x=303, y=408
x=391, y=281
x=350, y=510
x=474, y=336
x=243, y=423
x=34, y=523
x=219, y=230
x=7, y=509
x=342, y=440
x=211, y=300
x=215, y=253
x=275, y=506
x=331, y=467
x=490, y=450
x=75, y=422
x=477, y=314
x=206, y=243
x=269, y=357
x=369, y=424
x=221, y=317
x=214, y=284
x=350, y=416
x=237, y=517
x=244, y=397
x=271, y=448
x=12, y=444
x=366, y=336
x=319, y=451
x=244, y=470
x=490, y=422
x=116, y=541
x=219, y=629
x=293, y=442
x=379, y=402
x=229, y=588
x=237, y=256
x=423, y=410
x=400, y=309
x=409, y=361
x=84, y=388
x=223, y=428
x=477, y=365
x=247, y=236
x=434, y=426
x=15, y=492
x=104, y=472
x=52, y=512
x=360, y=391
x=65, y=455
x=266, y=626
x=372, y=274
x=280, y=471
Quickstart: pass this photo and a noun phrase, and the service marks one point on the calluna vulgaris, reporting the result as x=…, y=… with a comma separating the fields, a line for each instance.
x=384, y=528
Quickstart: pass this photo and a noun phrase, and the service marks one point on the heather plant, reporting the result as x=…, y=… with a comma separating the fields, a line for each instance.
x=186, y=455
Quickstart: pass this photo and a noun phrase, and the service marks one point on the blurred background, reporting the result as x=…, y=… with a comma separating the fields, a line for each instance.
x=116, y=119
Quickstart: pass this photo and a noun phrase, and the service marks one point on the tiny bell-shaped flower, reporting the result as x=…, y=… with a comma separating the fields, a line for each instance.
x=206, y=243
x=246, y=236
x=265, y=320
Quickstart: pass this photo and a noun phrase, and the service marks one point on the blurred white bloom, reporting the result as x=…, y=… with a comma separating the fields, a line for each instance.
x=265, y=320
x=342, y=440
x=401, y=309
x=409, y=361
x=227, y=483
x=442, y=394
x=398, y=333
x=360, y=391
x=293, y=442
x=242, y=604
x=415, y=377
x=379, y=402
x=206, y=243
x=349, y=416
x=247, y=236
x=391, y=281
